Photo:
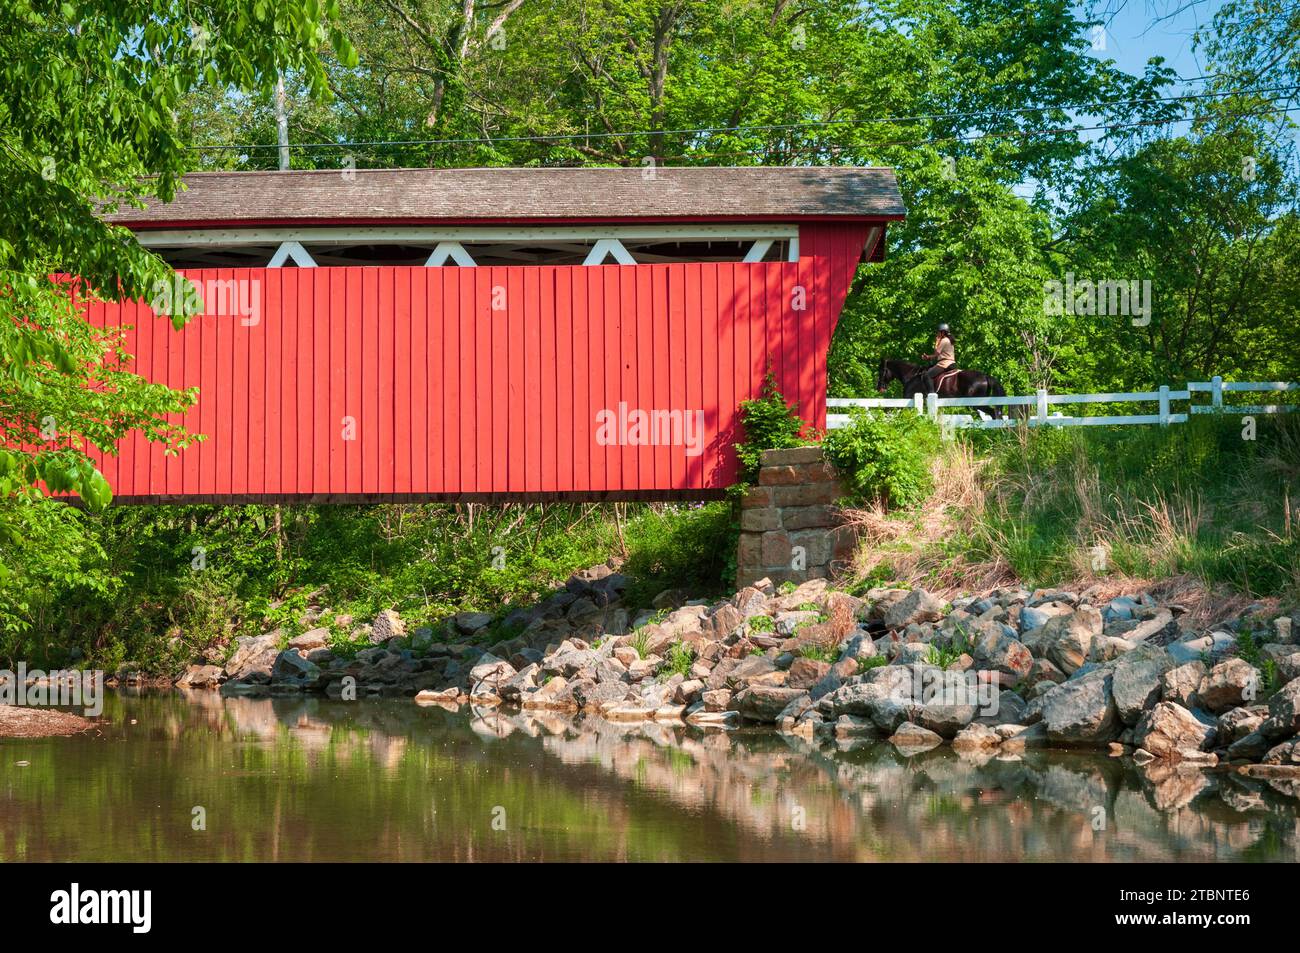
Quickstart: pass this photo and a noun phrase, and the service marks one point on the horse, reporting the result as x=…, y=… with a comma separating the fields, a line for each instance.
x=952, y=383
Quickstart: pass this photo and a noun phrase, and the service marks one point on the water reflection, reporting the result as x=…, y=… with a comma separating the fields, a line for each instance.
x=310, y=779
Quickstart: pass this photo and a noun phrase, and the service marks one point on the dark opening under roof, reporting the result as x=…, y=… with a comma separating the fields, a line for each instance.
x=767, y=193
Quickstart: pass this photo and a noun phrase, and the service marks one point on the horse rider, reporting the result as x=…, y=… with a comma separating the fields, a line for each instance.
x=943, y=357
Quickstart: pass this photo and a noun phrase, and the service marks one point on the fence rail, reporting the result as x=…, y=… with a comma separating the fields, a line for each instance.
x=1041, y=402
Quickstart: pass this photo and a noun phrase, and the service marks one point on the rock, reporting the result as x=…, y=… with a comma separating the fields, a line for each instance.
x=442, y=697
x=916, y=606
x=550, y=696
x=976, y=737
x=995, y=649
x=470, y=622
x=912, y=737
x=1081, y=711
x=725, y=620
x=1229, y=684
x=311, y=641
x=491, y=673
x=201, y=676
x=1236, y=724
x=806, y=672
x=1173, y=733
x=386, y=625
x=1025, y=739
x=1179, y=684
x=1283, y=712
x=292, y=667
x=764, y=702
x=1069, y=637
x=788, y=623
x=1193, y=648
x=1288, y=752
x=1137, y=680
x=1250, y=747
x=701, y=718
x=1158, y=630
x=1284, y=629
x=254, y=655
x=1036, y=617
x=718, y=699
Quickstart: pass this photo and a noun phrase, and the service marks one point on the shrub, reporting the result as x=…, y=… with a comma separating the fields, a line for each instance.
x=770, y=424
x=885, y=457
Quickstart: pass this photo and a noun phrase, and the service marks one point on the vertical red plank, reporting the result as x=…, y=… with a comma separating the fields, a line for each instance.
x=584, y=410
x=278, y=326
x=252, y=450
x=416, y=364
x=162, y=328
x=341, y=422
x=804, y=322
x=385, y=380
x=484, y=434
x=370, y=416
x=643, y=354
x=532, y=391
x=452, y=437
x=678, y=348
x=599, y=398
x=710, y=362
x=237, y=445
x=351, y=421
x=693, y=408
x=662, y=369
x=514, y=383
x=626, y=366
x=437, y=383
x=498, y=311
x=551, y=423
x=612, y=372
x=295, y=375
x=316, y=477
x=467, y=478
x=564, y=379
x=399, y=371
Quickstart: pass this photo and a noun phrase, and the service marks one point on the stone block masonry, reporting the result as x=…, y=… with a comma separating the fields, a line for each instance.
x=791, y=529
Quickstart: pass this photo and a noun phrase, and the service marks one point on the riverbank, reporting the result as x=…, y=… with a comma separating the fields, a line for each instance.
x=1007, y=671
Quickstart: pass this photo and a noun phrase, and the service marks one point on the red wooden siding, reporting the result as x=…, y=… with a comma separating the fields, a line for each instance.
x=452, y=399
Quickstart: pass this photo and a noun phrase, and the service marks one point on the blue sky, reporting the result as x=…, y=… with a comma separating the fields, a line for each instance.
x=1140, y=29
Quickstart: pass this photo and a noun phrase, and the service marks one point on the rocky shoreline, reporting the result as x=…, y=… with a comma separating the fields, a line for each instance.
x=1001, y=673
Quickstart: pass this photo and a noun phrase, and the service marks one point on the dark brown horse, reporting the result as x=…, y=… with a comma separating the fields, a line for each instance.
x=952, y=383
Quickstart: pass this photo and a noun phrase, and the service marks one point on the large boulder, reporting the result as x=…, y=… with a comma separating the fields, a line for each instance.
x=1069, y=637
x=1171, y=732
x=917, y=606
x=490, y=674
x=1081, y=711
x=764, y=702
x=1137, y=679
x=1283, y=712
x=386, y=625
x=994, y=648
x=1180, y=683
x=1231, y=683
x=254, y=656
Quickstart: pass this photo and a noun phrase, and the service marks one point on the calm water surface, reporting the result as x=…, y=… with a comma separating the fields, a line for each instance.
x=302, y=780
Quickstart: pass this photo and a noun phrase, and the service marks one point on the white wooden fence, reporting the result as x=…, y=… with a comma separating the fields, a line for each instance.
x=1042, y=402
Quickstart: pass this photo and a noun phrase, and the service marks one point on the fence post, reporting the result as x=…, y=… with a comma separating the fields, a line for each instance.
x=1164, y=405
x=932, y=405
x=1042, y=405
x=918, y=400
x=1216, y=393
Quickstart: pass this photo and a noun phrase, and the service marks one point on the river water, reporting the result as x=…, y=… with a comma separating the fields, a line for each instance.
x=168, y=777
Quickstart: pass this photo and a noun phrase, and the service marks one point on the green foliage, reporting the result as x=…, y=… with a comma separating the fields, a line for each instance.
x=761, y=623
x=885, y=457
x=690, y=546
x=819, y=653
x=770, y=424
x=872, y=661
x=679, y=660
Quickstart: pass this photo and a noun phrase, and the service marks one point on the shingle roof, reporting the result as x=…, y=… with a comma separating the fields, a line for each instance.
x=542, y=194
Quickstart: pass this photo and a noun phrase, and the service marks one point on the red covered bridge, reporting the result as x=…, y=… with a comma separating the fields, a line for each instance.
x=489, y=334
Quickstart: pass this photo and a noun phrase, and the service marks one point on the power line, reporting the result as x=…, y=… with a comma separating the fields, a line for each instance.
x=715, y=130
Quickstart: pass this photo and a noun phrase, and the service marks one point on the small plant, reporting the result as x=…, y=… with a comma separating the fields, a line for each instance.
x=640, y=641
x=871, y=661
x=679, y=660
x=818, y=653
x=809, y=607
x=770, y=424
x=761, y=623
x=786, y=588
